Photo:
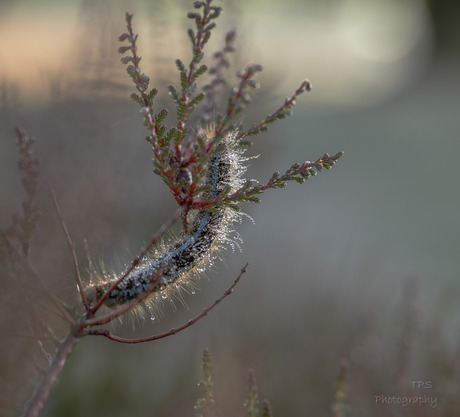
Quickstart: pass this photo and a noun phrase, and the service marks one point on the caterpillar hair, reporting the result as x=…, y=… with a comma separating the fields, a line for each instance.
x=172, y=264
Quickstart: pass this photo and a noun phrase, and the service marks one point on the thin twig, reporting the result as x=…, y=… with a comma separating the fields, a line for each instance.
x=28, y=336
x=282, y=111
x=38, y=339
x=44, y=352
x=52, y=335
x=64, y=310
x=88, y=258
x=107, y=318
x=173, y=331
x=38, y=368
x=72, y=250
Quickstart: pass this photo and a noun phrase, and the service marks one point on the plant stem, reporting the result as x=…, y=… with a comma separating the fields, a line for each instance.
x=49, y=378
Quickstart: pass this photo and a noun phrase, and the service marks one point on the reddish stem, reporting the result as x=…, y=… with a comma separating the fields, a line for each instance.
x=173, y=331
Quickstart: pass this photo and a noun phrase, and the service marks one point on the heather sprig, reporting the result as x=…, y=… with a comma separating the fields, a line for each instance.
x=281, y=113
x=178, y=156
x=19, y=233
x=181, y=156
x=252, y=403
x=160, y=136
x=297, y=172
x=339, y=406
x=239, y=98
x=186, y=101
x=205, y=404
x=267, y=409
x=218, y=80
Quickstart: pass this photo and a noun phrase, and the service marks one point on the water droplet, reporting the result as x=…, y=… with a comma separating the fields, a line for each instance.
x=152, y=318
x=164, y=296
x=193, y=292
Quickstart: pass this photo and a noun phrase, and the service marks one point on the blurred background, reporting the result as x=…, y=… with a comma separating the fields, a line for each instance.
x=361, y=263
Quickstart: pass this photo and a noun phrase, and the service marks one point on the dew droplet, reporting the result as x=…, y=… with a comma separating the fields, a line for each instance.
x=152, y=318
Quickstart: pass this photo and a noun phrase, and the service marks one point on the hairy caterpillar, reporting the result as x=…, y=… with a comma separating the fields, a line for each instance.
x=172, y=264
